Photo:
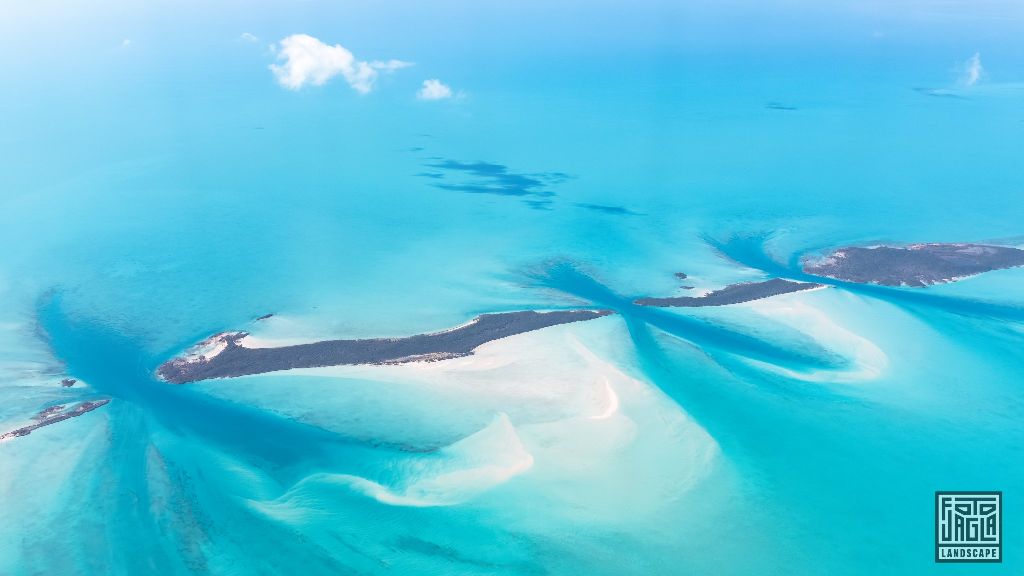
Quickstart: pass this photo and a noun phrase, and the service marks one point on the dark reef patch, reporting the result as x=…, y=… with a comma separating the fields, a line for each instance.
x=939, y=93
x=492, y=178
x=606, y=209
x=539, y=204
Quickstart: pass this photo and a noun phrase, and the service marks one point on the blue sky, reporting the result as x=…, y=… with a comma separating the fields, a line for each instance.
x=58, y=39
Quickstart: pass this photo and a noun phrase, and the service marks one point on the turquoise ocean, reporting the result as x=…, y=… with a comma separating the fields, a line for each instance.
x=159, y=185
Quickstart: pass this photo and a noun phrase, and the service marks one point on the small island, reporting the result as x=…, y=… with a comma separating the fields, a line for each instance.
x=916, y=265
x=54, y=414
x=225, y=355
x=732, y=294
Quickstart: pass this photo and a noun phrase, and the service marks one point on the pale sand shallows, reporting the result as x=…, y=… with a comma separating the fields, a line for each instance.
x=456, y=473
x=207, y=349
x=868, y=361
x=563, y=420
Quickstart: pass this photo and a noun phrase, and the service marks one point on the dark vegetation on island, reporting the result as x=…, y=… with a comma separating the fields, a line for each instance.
x=55, y=414
x=916, y=265
x=236, y=360
x=732, y=294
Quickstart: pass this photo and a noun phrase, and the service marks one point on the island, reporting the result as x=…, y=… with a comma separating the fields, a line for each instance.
x=225, y=355
x=732, y=294
x=683, y=276
x=916, y=265
x=54, y=414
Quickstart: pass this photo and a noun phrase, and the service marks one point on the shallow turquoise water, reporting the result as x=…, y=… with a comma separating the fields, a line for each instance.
x=155, y=192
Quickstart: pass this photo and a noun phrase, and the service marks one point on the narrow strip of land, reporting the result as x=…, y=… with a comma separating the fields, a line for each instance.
x=54, y=414
x=732, y=294
x=225, y=355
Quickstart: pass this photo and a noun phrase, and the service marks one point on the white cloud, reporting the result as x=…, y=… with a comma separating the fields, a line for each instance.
x=126, y=43
x=306, y=60
x=434, y=89
x=389, y=65
x=972, y=71
x=249, y=37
